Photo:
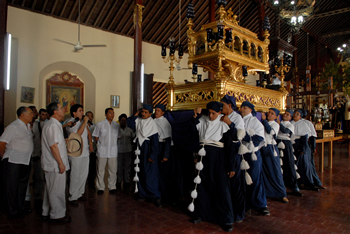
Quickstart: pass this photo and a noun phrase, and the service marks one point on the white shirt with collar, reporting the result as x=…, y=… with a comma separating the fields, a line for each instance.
x=125, y=138
x=37, y=138
x=19, y=142
x=107, y=134
x=52, y=133
x=84, y=136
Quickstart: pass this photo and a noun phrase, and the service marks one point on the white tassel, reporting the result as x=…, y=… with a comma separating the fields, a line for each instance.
x=199, y=166
x=191, y=207
x=137, y=152
x=251, y=146
x=248, y=179
x=243, y=149
x=281, y=162
x=202, y=152
x=281, y=145
x=254, y=158
x=136, y=178
x=137, y=160
x=136, y=189
x=137, y=169
x=298, y=176
x=282, y=170
x=274, y=142
x=275, y=153
x=244, y=165
x=251, y=132
x=240, y=134
x=295, y=166
x=295, y=158
x=194, y=194
x=281, y=153
x=197, y=180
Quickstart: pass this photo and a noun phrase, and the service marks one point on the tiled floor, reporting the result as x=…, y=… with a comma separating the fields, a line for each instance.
x=327, y=211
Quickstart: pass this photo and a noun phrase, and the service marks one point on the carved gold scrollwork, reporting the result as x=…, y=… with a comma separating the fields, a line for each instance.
x=138, y=15
x=207, y=95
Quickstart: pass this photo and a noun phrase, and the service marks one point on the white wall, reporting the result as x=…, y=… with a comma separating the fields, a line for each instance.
x=110, y=66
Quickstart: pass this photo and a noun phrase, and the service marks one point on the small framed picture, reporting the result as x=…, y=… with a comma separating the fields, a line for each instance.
x=27, y=94
x=115, y=101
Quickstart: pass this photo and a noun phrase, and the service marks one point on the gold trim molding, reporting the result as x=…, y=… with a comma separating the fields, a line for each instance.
x=138, y=14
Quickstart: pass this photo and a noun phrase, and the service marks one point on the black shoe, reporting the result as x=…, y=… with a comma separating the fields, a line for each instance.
x=297, y=193
x=65, y=219
x=126, y=185
x=74, y=203
x=140, y=199
x=100, y=192
x=158, y=203
x=113, y=191
x=45, y=217
x=238, y=221
x=82, y=198
x=264, y=211
x=315, y=189
x=321, y=187
x=227, y=227
x=196, y=220
x=26, y=210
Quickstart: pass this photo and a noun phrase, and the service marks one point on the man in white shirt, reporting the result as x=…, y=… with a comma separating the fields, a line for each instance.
x=79, y=165
x=16, y=147
x=55, y=164
x=38, y=173
x=125, y=137
x=106, y=135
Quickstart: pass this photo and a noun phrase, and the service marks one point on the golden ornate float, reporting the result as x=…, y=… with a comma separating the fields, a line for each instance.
x=227, y=50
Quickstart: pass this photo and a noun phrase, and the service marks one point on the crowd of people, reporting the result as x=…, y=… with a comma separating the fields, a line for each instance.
x=240, y=160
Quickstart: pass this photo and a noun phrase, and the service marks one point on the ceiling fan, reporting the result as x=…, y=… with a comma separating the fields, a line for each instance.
x=78, y=46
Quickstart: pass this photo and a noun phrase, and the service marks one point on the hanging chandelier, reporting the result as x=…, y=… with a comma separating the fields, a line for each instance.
x=344, y=52
x=294, y=12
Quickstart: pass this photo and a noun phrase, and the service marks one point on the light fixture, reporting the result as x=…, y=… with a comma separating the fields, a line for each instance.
x=8, y=65
x=294, y=13
x=344, y=45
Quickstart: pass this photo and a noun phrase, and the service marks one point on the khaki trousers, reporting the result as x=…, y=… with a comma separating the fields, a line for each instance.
x=112, y=172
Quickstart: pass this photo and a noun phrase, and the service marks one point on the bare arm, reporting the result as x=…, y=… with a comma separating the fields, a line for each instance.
x=56, y=154
x=91, y=149
x=82, y=126
x=96, y=139
x=2, y=148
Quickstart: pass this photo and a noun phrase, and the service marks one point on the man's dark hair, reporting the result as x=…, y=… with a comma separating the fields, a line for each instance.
x=51, y=108
x=75, y=108
x=89, y=112
x=42, y=110
x=21, y=110
x=107, y=109
x=32, y=107
x=122, y=116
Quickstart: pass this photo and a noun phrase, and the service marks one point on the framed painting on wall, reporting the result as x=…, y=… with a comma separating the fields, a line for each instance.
x=115, y=101
x=66, y=89
x=27, y=94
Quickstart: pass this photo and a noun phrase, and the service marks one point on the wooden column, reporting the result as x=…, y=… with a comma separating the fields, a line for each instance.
x=295, y=53
x=308, y=87
x=3, y=22
x=317, y=53
x=211, y=19
x=261, y=16
x=136, y=79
